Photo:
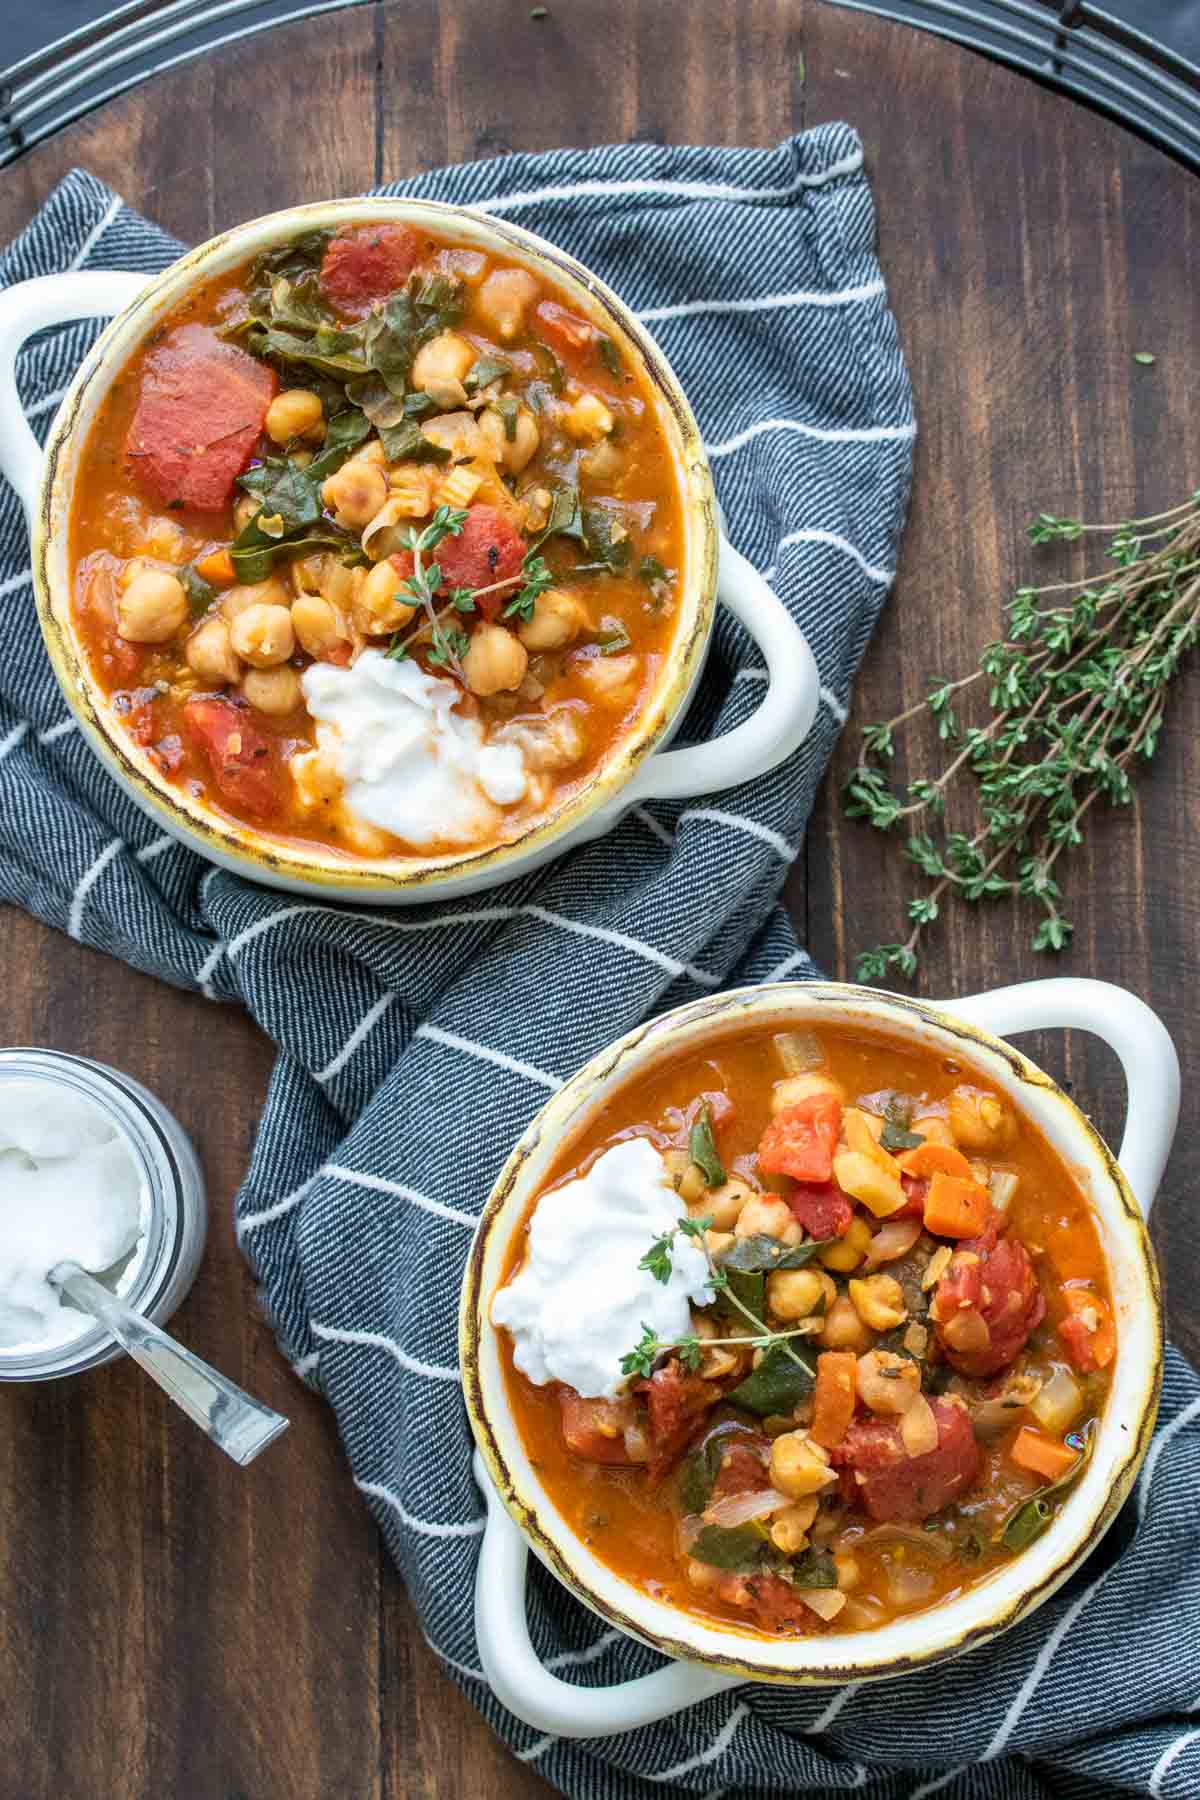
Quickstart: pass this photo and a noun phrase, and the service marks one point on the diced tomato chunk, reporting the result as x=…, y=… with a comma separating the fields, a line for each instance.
x=800, y=1141
x=891, y=1485
x=564, y=329
x=594, y=1429
x=1004, y=1289
x=743, y=1468
x=675, y=1402
x=915, y=1189
x=366, y=263
x=245, y=765
x=199, y=416
x=489, y=548
x=1087, y=1331
x=773, y=1604
x=822, y=1209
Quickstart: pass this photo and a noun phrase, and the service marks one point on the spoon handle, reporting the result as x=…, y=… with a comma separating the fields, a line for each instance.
x=238, y=1424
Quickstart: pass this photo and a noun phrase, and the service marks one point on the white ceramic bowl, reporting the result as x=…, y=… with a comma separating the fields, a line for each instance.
x=709, y=1656
x=638, y=770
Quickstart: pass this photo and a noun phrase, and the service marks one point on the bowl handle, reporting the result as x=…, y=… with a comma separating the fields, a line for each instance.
x=1127, y=1025
x=31, y=306
x=780, y=723
x=523, y=1683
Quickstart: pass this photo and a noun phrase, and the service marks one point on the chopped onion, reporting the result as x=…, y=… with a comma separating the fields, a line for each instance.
x=894, y=1239
x=637, y=1442
x=967, y=1331
x=799, y=1051
x=990, y=1417
x=739, y=1509
x=918, y=1428
x=938, y=1263
x=1002, y=1185
x=827, y=1603
x=908, y=1586
x=928, y=1543
x=1059, y=1403
x=688, y=1530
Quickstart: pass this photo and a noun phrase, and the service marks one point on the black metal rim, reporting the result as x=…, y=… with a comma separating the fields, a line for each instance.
x=1078, y=49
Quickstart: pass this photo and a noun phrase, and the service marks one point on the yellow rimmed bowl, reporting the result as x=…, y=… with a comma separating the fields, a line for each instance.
x=639, y=769
x=707, y=1656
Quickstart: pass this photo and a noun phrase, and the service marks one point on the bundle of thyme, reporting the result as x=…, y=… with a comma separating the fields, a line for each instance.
x=1075, y=697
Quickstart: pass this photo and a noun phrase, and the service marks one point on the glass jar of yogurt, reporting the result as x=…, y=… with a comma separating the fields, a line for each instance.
x=88, y=1154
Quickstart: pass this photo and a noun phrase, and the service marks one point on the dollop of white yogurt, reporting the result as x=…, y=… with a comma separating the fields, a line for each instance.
x=70, y=1191
x=410, y=761
x=580, y=1301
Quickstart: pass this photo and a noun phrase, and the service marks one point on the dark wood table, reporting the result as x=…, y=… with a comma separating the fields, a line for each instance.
x=168, y=1624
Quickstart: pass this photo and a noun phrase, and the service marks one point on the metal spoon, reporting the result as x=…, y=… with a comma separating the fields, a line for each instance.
x=236, y=1423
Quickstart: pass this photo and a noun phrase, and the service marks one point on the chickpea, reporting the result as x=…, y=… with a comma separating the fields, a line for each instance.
x=372, y=452
x=244, y=510
x=153, y=608
x=797, y=1293
x=789, y=1528
x=879, y=1302
x=718, y=1242
x=764, y=1215
x=271, y=592
x=439, y=367
x=849, y=1250
x=724, y=1205
x=702, y=1575
x=803, y=1087
x=209, y=652
x=557, y=618
x=686, y=1178
x=495, y=661
x=355, y=492
x=799, y=1467
x=843, y=1329
x=293, y=414
x=981, y=1121
x=516, y=452
x=887, y=1384
x=504, y=299
x=263, y=635
x=315, y=625
x=377, y=607
x=273, y=691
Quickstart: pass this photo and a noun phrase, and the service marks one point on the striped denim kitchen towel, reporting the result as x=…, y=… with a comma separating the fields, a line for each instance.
x=415, y=1045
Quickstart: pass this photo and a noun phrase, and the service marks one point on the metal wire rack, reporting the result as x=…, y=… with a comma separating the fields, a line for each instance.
x=1077, y=48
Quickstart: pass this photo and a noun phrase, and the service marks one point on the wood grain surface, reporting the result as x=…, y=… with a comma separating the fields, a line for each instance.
x=168, y=1624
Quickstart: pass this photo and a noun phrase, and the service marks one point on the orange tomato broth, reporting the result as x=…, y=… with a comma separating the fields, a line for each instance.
x=633, y=1530
x=113, y=521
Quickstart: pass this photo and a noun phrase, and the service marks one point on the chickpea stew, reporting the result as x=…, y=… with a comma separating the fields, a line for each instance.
x=892, y=1341
x=378, y=543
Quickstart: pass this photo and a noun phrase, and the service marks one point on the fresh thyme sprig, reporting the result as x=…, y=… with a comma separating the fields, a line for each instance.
x=690, y=1348
x=450, y=645
x=1076, y=693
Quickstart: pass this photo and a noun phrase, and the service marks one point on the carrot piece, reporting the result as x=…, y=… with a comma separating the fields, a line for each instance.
x=935, y=1159
x=218, y=567
x=833, y=1397
x=1088, y=1330
x=1042, y=1455
x=956, y=1208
